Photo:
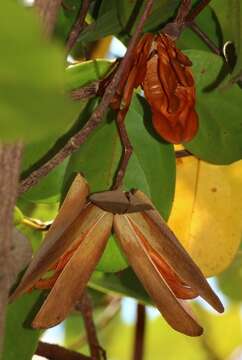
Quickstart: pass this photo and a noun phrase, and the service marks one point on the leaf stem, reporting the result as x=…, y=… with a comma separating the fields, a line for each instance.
x=127, y=150
x=97, y=116
x=195, y=28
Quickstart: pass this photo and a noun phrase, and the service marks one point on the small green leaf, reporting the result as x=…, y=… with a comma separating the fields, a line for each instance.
x=219, y=139
x=32, y=100
x=79, y=75
x=20, y=339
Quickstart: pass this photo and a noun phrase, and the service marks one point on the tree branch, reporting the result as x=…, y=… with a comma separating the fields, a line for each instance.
x=196, y=11
x=10, y=156
x=138, y=353
x=78, y=25
x=96, y=117
x=56, y=352
x=195, y=28
x=48, y=11
x=85, y=307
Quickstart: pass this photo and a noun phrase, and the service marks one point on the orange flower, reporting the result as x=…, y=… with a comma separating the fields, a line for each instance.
x=76, y=241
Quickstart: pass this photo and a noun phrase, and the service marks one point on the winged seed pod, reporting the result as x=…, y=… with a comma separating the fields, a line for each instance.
x=75, y=243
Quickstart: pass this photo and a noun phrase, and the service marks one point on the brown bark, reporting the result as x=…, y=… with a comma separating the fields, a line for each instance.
x=10, y=156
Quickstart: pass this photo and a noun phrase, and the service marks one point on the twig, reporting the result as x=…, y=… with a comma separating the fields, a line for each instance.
x=48, y=11
x=102, y=321
x=96, y=117
x=127, y=150
x=174, y=28
x=196, y=11
x=78, y=25
x=204, y=37
x=85, y=92
x=10, y=156
x=138, y=353
x=56, y=352
x=85, y=307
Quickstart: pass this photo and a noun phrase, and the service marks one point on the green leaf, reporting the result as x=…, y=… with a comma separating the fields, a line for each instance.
x=230, y=280
x=112, y=259
x=32, y=100
x=79, y=75
x=20, y=339
x=124, y=283
x=219, y=139
x=120, y=17
x=208, y=23
x=229, y=13
x=151, y=167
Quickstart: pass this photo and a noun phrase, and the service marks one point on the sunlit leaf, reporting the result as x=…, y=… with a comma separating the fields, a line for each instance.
x=208, y=221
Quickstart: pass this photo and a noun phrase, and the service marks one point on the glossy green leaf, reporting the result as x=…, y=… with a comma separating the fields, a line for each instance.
x=219, y=139
x=231, y=279
x=81, y=74
x=119, y=17
x=20, y=339
x=209, y=24
x=124, y=283
x=229, y=13
x=151, y=167
x=32, y=100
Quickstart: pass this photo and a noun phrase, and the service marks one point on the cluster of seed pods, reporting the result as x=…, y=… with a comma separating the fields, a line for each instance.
x=164, y=74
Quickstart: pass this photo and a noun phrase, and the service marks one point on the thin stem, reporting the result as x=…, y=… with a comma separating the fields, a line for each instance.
x=97, y=116
x=85, y=92
x=138, y=353
x=56, y=352
x=48, y=11
x=85, y=307
x=102, y=321
x=174, y=28
x=204, y=38
x=127, y=150
x=196, y=11
x=78, y=25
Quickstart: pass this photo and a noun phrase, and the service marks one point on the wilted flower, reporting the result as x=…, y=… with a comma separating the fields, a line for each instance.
x=76, y=241
x=163, y=72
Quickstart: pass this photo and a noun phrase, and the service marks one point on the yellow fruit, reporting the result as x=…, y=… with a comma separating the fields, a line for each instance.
x=207, y=212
